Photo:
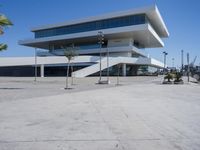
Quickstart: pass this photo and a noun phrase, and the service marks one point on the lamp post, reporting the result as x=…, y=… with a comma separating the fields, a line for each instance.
x=100, y=41
x=173, y=62
x=108, y=81
x=181, y=60
x=35, y=65
x=188, y=68
x=165, y=54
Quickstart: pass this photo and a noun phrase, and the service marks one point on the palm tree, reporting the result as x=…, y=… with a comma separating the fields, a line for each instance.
x=70, y=53
x=4, y=22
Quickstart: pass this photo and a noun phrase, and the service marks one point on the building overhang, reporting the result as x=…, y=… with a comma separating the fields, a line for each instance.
x=52, y=60
x=119, y=49
x=150, y=62
x=144, y=34
x=152, y=13
x=59, y=60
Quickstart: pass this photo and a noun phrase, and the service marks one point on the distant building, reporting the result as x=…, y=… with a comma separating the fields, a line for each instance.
x=125, y=36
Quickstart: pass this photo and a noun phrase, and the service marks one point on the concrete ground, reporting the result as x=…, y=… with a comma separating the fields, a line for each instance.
x=142, y=114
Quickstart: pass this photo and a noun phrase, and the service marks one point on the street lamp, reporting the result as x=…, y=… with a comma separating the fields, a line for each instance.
x=165, y=54
x=100, y=41
x=35, y=65
x=188, y=68
x=173, y=62
x=182, y=60
x=108, y=81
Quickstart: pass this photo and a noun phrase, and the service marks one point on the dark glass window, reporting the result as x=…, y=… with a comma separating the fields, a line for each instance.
x=94, y=25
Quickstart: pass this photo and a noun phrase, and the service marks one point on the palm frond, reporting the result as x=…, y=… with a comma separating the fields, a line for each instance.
x=4, y=21
x=1, y=31
x=3, y=47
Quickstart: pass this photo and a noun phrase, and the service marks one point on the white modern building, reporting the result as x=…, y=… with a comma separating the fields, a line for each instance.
x=121, y=36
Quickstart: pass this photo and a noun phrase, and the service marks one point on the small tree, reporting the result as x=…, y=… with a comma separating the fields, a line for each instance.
x=72, y=81
x=169, y=77
x=70, y=53
x=4, y=22
x=178, y=76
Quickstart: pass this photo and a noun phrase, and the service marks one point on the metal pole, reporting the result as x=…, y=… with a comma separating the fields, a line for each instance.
x=118, y=74
x=173, y=62
x=188, y=69
x=165, y=54
x=100, y=62
x=164, y=61
x=35, y=65
x=181, y=60
x=100, y=36
x=108, y=66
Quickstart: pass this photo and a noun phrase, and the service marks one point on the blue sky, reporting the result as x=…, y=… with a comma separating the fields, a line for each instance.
x=181, y=18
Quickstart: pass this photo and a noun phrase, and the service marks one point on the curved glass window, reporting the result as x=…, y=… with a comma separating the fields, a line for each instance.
x=94, y=25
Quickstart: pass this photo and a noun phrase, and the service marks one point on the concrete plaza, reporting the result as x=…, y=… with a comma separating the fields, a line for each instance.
x=142, y=114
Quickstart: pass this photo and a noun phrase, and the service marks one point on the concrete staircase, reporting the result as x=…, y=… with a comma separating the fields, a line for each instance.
x=95, y=68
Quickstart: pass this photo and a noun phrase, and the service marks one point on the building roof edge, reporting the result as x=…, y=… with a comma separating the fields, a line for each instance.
x=98, y=17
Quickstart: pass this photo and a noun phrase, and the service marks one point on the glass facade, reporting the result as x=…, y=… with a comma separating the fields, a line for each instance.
x=94, y=25
x=80, y=46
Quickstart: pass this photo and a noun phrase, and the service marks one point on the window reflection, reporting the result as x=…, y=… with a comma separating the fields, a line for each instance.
x=95, y=25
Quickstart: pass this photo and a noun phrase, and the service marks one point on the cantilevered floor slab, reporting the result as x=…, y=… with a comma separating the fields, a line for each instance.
x=143, y=33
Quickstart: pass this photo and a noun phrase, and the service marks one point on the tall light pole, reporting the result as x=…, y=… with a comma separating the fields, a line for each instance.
x=108, y=81
x=188, y=68
x=165, y=54
x=173, y=62
x=100, y=41
x=182, y=60
x=35, y=65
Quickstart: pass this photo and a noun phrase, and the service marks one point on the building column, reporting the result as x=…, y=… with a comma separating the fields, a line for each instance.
x=42, y=70
x=124, y=70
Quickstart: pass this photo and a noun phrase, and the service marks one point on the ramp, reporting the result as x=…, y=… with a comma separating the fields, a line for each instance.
x=95, y=68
